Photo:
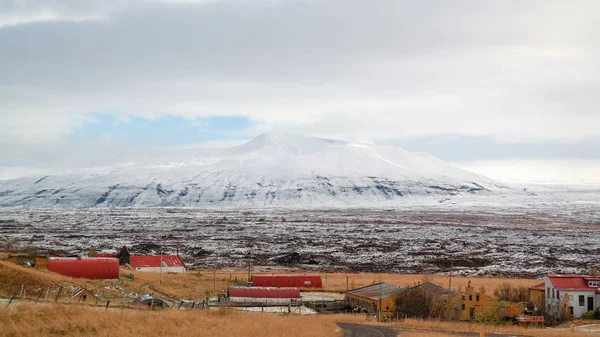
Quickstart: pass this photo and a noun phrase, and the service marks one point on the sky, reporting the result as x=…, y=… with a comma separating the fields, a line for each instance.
x=509, y=89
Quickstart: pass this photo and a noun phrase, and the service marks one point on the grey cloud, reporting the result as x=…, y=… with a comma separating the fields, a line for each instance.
x=374, y=69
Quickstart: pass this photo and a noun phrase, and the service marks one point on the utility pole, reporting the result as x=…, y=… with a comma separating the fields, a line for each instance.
x=379, y=320
x=450, y=280
x=215, y=277
x=249, y=265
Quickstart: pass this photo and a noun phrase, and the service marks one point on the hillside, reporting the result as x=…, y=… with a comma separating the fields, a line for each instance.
x=270, y=170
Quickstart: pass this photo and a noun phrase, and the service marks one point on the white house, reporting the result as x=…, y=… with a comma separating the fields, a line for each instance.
x=580, y=293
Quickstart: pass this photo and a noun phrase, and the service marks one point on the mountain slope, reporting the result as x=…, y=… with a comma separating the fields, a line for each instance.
x=270, y=170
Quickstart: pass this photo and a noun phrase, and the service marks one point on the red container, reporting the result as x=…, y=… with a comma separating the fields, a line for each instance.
x=287, y=281
x=263, y=292
x=95, y=268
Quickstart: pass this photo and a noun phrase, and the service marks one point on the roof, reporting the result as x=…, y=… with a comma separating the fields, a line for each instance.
x=373, y=292
x=541, y=286
x=435, y=290
x=263, y=292
x=573, y=282
x=154, y=261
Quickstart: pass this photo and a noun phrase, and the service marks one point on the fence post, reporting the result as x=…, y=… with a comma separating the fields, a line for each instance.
x=107, y=304
x=39, y=296
x=58, y=293
x=11, y=299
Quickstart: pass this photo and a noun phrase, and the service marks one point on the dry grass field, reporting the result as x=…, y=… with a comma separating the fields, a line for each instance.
x=71, y=321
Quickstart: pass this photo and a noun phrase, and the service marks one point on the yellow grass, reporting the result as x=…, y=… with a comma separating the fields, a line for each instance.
x=71, y=321
x=191, y=285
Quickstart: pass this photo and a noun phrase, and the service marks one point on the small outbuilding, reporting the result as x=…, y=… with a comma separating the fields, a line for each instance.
x=263, y=295
x=287, y=281
x=96, y=268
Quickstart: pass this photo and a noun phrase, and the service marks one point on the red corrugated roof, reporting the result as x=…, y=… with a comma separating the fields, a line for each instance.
x=154, y=261
x=573, y=282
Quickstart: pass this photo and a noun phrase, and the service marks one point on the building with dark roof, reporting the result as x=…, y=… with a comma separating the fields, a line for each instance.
x=373, y=298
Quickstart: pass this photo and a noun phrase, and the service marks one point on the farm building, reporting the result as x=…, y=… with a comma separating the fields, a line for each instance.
x=97, y=268
x=464, y=305
x=150, y=263
x=373, y=298
x=285, y=281
x=578, y=293
x=263, y=295
x=169, y=263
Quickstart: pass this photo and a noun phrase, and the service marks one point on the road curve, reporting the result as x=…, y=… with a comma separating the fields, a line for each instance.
x=360, y=330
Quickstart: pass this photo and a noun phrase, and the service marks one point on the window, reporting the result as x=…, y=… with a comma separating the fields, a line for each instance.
x=558, y=294
x=477, y=297
x=548, y=292
x=594, y=283
x=552, y=292
x=464, y=297
x=463, y=306
x=581, y=301
x=470, y=297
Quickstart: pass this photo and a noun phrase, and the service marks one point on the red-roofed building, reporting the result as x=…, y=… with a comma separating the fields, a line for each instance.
x=170, y=264
x=580, y=293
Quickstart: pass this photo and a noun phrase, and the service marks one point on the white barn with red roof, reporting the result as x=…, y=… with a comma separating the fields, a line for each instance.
x=170, y=264
x=581, y=291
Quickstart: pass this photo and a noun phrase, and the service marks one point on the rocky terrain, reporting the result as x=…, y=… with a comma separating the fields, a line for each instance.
x=471, y=241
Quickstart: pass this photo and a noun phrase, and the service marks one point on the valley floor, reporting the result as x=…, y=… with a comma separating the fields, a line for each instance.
x=527, y=242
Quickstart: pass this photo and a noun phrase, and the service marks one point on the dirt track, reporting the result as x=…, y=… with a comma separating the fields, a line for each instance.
x=359, y=330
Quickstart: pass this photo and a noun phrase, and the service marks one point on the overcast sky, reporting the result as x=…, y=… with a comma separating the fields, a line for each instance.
x=488, y=85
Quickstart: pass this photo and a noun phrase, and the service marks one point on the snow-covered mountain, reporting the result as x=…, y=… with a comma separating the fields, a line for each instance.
x=270, y=170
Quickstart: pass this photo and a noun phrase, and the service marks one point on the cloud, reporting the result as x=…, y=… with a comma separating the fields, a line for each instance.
x=369, y=70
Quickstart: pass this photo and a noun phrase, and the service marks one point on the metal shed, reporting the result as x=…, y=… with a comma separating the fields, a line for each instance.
x=287, y=281
x=96, y=268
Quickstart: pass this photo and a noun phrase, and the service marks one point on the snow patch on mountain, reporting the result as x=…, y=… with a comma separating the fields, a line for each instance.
x=270, y=170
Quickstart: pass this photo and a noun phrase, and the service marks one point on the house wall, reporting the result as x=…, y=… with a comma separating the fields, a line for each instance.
x=387, y=304
x=537, y=296
x=472, y=303
x=173, y=270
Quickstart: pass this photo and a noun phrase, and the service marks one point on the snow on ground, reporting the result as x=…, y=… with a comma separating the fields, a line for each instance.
x=527, y=240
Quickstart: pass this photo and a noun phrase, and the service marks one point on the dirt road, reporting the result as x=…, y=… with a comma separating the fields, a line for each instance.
x=359, y=330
